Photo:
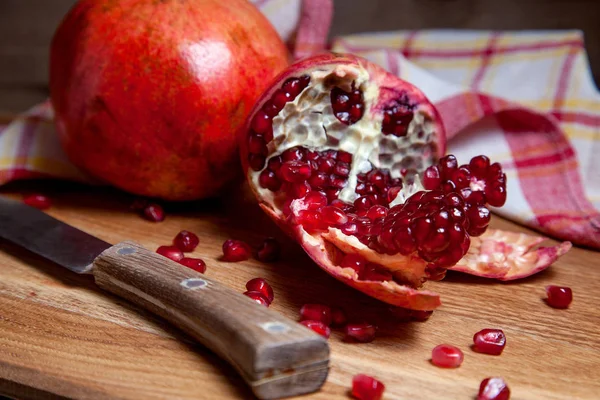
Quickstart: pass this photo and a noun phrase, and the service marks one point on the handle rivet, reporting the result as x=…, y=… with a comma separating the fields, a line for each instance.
x=194, y=283
x=275, y=327
x=125, y=251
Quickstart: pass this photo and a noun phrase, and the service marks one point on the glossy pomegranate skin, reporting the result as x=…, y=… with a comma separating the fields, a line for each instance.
x=148, y=95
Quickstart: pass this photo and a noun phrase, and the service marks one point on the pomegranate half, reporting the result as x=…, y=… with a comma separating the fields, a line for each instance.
x=149, y=95
x=347, y=158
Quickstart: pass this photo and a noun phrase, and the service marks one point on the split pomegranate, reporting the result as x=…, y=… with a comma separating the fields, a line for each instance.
x=336, y=150
x=196, y=264
x=494, y=388
x=268, y=251
x=257, y=297
x=318, y=327
x=559, y=296
x=360, y=332
x=171, y=252
x=236, y=250
x=38, y=201
x=316, y=312
x=186, y=241
x=447, y=356
x=154, y=212
x=489, y=341
x=262, y=286
x=365, y=387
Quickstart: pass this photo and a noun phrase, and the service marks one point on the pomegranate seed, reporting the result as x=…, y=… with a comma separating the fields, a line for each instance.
x=353, y=261
x=377, y=212
x=446, y=356
x=344, y=156
x=186, y=241
x=171, y=252
x=235, y=250
x=268, y=180
x=479, y=166
x=268, y=251
x=315, y=200
x=432, y=178
x=559, y=296
x=316, y=312
x=397, y=117
x=447, y=165
x=341, y=169
x=257, y=297
x=293, y=154
x=300, y=190
x=261, y=122
x=489, y=341
x=194, y=263
x=280, y=97
x=494, y=388
x=361, y=332
x=318, y=327
x=365, y=387
x=38, y=201
x=256, y=161
x=295, y=171
x=154, y=212
x=292, y=86
x=261, y=286
x=347, y=107
x=338, y=317
x=257, y=145
x=496, y=194
x=333, y=216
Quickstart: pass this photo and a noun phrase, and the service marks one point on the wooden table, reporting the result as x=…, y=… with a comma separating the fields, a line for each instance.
x=60, y=335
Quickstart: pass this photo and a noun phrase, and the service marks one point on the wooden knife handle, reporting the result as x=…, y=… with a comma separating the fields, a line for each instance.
x=276, y=356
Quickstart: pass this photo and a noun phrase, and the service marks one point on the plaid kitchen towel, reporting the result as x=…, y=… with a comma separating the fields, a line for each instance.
x=526, y=99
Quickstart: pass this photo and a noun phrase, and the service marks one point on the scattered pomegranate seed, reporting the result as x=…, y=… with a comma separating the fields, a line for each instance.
x=268, y=251
x=318, y=327
x=171, y=252
x=38, y=201
x=361, y=332
x=489, y=341
x=236, y=250
x=316, y=312
x=494, y=388
x=365, y=387
x=186, y=241
x=196, y=264
x=338, y=317
x=138, y=204
x=257, y=297
x=447, y=356
x=559, y=296
x=260, y=285
x=154, y=212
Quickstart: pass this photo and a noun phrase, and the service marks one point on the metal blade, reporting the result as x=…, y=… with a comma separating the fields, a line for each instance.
x=48, y=237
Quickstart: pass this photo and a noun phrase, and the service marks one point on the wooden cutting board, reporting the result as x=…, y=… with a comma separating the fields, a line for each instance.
x=61, y=336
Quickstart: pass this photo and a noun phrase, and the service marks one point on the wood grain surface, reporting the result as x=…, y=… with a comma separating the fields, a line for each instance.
x=62, y=336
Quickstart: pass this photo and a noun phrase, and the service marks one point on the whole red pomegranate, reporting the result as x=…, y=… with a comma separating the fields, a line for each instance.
x=148, y=95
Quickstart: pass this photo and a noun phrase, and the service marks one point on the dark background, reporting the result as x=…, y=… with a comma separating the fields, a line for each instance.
x=26, y=27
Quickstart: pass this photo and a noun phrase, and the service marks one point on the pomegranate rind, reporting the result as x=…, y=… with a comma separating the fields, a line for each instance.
x=508, y=256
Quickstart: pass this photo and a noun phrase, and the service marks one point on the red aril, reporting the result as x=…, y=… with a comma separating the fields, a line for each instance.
x=365, y=387
x=236, y=250
x=338, y=317
x=558, y=296
x=149, y=95
x=38, y=201
x=447, y=356
x=489, y=341
x=196, y=264
x=318, y=327
x=171, y=252
x=316, y=312
x=262, y=286
x=268, y=251
x=154, y=212
x=360, y=332
x=186, y=241
x=494, y=388
x=257, y=297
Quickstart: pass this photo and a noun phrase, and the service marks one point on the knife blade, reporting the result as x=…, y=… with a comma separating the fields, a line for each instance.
x=277, y=357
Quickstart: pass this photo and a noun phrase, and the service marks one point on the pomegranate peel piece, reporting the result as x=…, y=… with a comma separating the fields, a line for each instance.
x=507, y=256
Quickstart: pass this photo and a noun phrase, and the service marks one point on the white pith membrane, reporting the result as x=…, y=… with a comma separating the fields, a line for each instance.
x=309, y=122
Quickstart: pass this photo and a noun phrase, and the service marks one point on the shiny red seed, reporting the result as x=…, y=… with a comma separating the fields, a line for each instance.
x=361, y=332
x=38, y=201
x=559, y=296
x=493, y=388
x=293, y=154
x=496, y=194
x=268, y=180
x=280, y=97
x=257, y=145
x=479, y=165
x=186, y=241
x=295, y=171
x=315, y=200
x=461, y=177
x=489, y=341
x=432, y=178
x=363, y=203
x=338, y=317
x=270, y=109
x=256, y=161
x=365, y=387
x=421, y=227
x=316, y=312
x=236, y=250
x=154, y=212
x=300, y=189
x=319, y=180
x=170, y=252
x=447, y=356
x=326, y=165
x=292, y=87
x=377, y=212
x=356, y=112
x=447, y=165
x=196, y=264
x=479, y=216
x=260, y=285
x=257, y=297
x=318, y=327
x=349, y=228
x=261, y=122
x=268, y=251
x=333, y=216
x=353, y=261
x=341, y=169
x=274, y=163
x=344, y=156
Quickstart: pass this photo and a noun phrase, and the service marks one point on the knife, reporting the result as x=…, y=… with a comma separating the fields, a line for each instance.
x=277, y=357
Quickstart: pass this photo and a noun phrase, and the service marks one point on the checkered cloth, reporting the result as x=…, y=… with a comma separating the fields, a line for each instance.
x=525, y=99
